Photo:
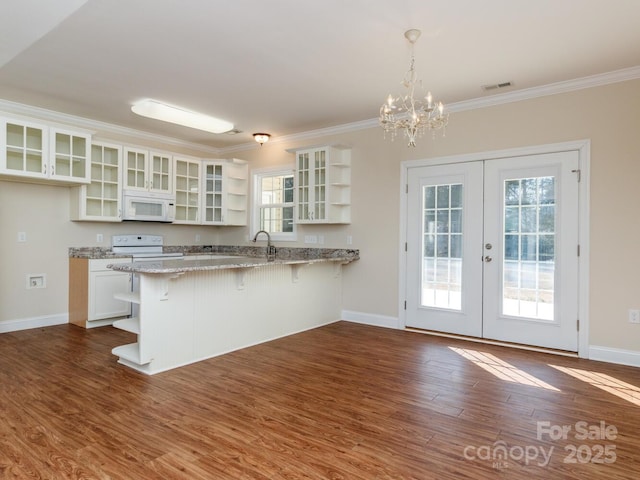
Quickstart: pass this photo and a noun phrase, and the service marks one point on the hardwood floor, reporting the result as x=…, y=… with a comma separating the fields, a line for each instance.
x=344, y=401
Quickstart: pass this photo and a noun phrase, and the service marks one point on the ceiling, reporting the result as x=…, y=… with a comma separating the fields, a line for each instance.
x=291, y=66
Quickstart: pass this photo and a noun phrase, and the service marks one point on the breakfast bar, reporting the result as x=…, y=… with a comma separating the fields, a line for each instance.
x=194, y=309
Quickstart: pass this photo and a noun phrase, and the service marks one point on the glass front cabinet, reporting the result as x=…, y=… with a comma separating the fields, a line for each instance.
x=32, y=150
x=323, y=185
x=187, y=182
x=147, y=170
x=211, y=192
x=101, y=199
x=225, y=185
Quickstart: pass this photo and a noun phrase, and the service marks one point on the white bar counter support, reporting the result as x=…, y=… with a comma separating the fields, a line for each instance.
x=190, y=316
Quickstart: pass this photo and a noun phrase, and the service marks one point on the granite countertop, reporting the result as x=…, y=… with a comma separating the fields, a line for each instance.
x=225, y=262
x=230, y=256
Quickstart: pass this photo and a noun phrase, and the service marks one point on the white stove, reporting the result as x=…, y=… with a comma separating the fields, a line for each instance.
x=141, y=247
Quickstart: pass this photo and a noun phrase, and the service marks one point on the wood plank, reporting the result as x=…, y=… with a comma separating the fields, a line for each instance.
x=342, y=401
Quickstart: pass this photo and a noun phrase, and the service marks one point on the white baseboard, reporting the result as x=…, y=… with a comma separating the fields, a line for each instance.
x=614, y=355
x=601, y=354
x=33, y=322
x=370, y=319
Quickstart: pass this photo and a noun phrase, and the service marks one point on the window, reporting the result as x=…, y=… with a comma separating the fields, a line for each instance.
x=273, y=203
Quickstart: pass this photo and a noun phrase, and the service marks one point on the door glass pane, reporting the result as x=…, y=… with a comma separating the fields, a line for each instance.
x=442, y=246
x=529, y=223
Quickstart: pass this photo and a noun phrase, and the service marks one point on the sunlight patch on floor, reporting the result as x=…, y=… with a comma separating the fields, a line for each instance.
x=605, y=382
x=501, y=369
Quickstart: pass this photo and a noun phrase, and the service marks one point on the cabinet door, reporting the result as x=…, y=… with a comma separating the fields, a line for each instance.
x=187, y=182
x=213, y=194
x=102, y=286
x=23, y=149
x=69, y=157
x=312, y=185
x=319, y=210
x=101, y=199
x=135, y=168
x=304, y=182
x=159, y=172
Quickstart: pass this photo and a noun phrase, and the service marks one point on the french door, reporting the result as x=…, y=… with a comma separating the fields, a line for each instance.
x=492, y=249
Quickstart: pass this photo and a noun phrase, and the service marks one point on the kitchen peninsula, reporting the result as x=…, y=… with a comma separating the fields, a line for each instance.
x=191, y=310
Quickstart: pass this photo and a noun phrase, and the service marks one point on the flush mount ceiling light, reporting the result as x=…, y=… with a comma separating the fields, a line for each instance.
x=408, y=114
x=180, y=116
x=261, y=138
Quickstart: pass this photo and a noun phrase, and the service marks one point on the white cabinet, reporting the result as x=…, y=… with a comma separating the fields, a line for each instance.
x=39, y=152
x=69, y=157
x=147, y=170
x=100, y=200
x=92, y=287
x=211, y=192
x=225, y=186
x=103, y=284
x=24, y=149
x=187, y=183
x=323, y=185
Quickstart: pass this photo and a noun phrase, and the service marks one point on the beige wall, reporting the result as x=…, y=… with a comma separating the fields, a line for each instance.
x=607, y=115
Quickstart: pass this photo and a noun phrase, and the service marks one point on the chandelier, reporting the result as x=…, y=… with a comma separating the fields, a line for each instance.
x=413, y=116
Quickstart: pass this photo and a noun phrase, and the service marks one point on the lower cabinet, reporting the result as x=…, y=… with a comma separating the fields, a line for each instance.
x=91, y=292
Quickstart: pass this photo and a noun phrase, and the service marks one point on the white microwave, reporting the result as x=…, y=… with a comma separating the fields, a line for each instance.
x=148, y=206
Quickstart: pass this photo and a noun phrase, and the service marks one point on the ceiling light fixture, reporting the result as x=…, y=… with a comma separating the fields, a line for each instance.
x=180, y=116
x=261, y=138
x=406, y=113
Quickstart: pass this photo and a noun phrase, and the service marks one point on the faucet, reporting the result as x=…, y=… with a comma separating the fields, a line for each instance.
x=271, y=250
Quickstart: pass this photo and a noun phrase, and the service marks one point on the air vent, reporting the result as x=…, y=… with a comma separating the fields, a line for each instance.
x=496, y=86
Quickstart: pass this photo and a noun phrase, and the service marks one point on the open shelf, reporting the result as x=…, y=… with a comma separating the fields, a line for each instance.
x=128, y=324
x=129, y=352
x=127, y=297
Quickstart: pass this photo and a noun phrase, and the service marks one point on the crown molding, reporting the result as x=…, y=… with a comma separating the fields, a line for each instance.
x=631, y=73
x=616, y=76
x=566, y=86
x=45, y=115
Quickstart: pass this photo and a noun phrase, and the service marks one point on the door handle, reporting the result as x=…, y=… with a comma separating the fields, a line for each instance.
x=487, y=259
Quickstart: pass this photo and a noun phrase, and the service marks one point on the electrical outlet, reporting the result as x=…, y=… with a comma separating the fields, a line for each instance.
x=197, y=237
x=634, y=316
x=36, y=280
x=310, y=239
x=349, y=240
x=321, y=239
x=99, y=238
x=22, y=237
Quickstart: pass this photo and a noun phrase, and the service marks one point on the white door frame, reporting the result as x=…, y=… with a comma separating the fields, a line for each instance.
x=583, y=147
